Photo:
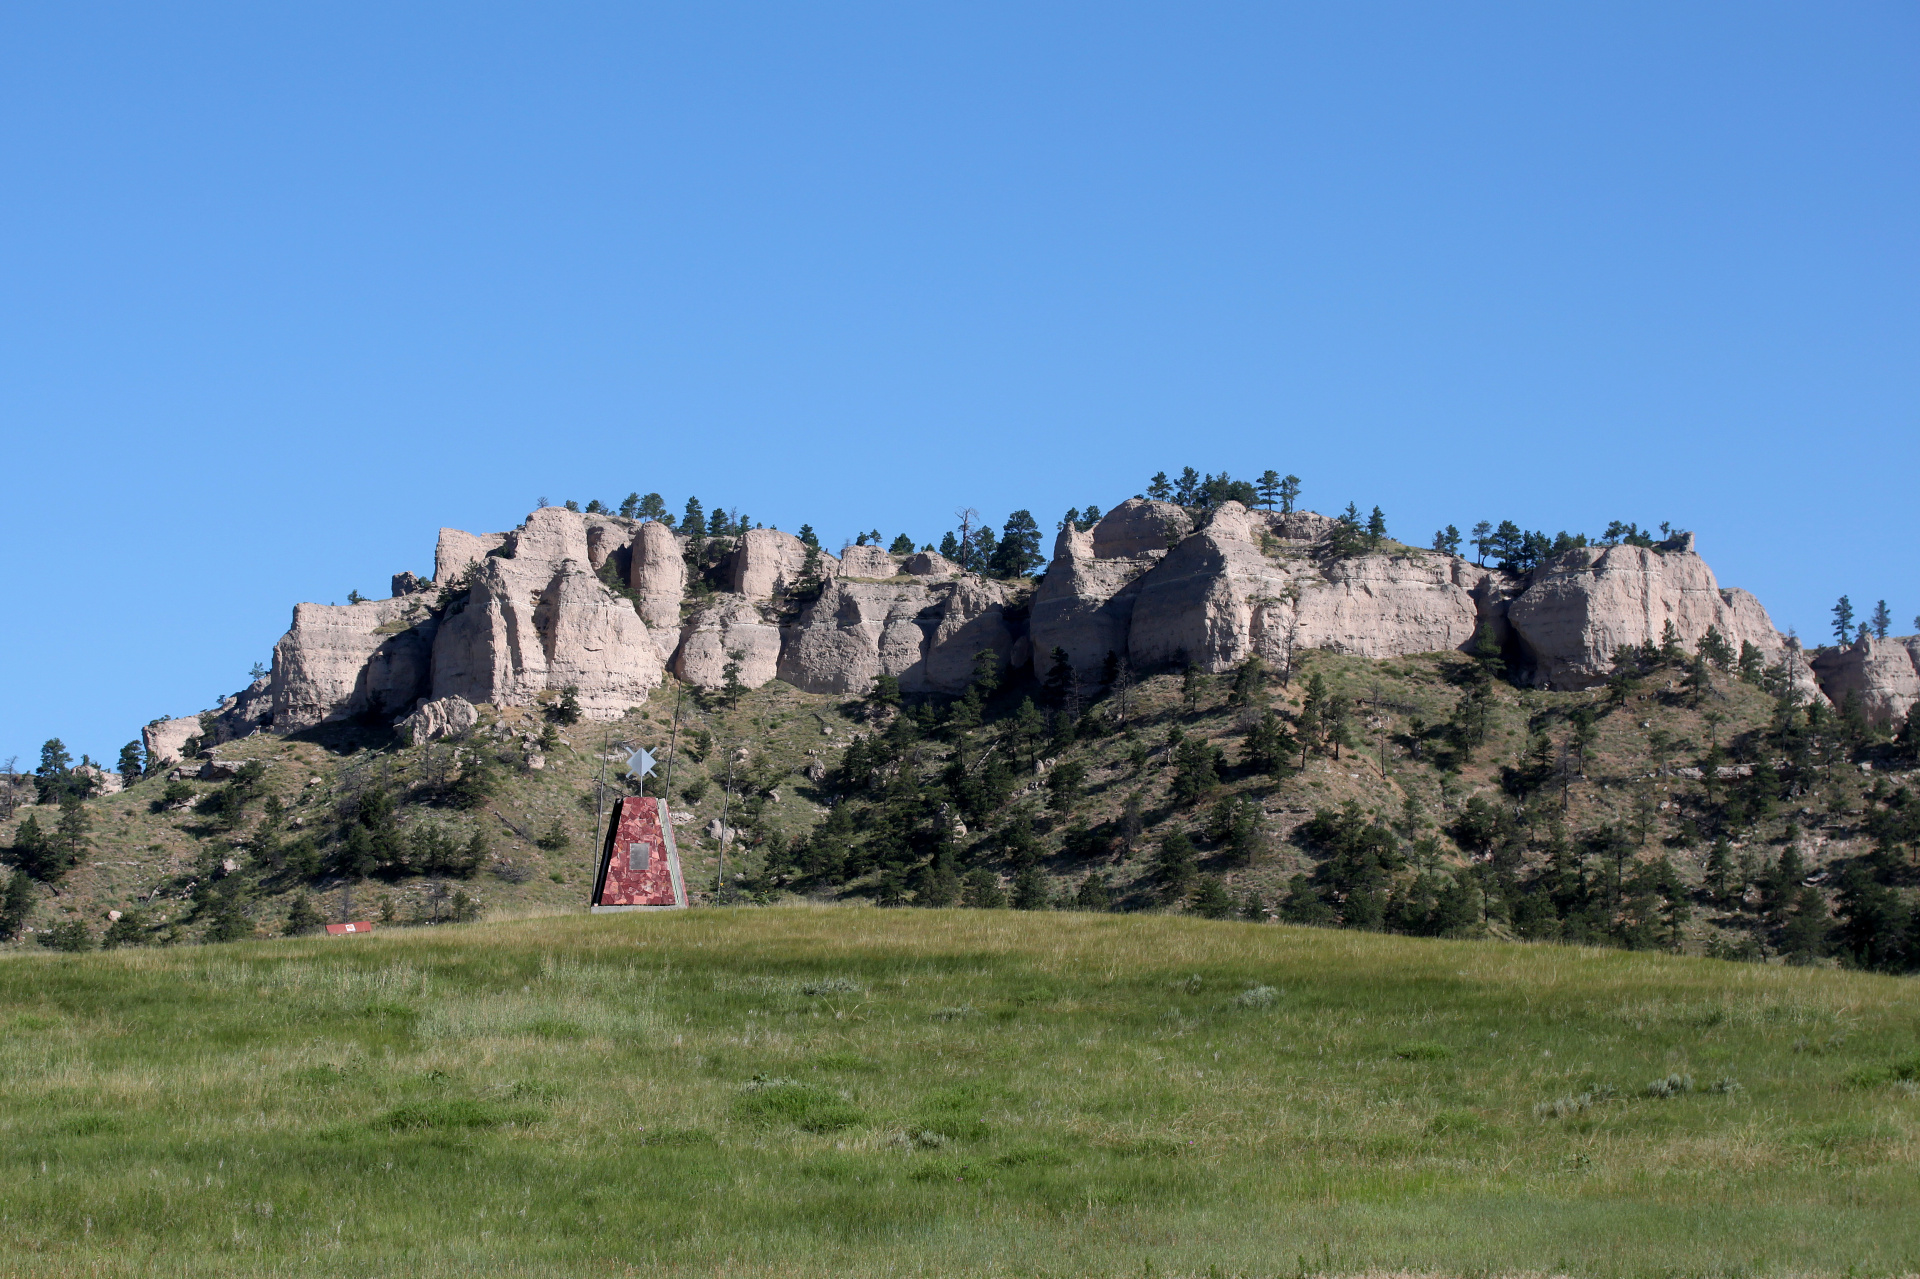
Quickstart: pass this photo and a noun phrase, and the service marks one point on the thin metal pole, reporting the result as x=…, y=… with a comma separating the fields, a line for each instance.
x=600, y=791
x=720, y=860
x=673, y=744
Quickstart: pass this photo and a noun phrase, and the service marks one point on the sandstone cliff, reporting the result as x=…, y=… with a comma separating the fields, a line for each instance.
x=512, y=616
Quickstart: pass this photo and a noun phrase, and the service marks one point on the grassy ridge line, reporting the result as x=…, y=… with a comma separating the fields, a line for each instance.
x=802, y=1091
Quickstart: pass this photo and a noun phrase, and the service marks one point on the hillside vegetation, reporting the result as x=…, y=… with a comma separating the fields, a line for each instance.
x=1687, y=806
x=798, y=1091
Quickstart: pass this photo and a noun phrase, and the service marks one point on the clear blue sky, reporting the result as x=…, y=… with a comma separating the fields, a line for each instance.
x=286, y=287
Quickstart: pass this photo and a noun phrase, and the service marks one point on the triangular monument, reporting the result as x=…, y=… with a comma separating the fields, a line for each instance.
x=639, y=866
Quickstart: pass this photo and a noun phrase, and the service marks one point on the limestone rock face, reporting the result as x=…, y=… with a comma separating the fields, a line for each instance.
x=165, y=740
x=730, y=624
x=1587, y=603
x=1231, y=589
x=1386, y=605
x=925, y=634
x=244, y=713
x=869, y=562
x=1084, y=605
x=1197, y=604
x=104, y=783
x=929, y=564
x=457, y=549
x=1138, y=526
x=340, y=660
x=409, y=584
x=537, y=619
x=608, y=537
x=446, y=717
x=1297, y=526
x=1881, y=672
x=767, y=560
x=658, y=573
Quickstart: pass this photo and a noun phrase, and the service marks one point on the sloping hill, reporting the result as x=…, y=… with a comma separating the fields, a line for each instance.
x=802, y=1091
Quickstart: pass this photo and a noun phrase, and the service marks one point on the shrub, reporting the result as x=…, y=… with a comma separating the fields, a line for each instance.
x=810, y=1109
x=70, y=936
x=1671, y=1086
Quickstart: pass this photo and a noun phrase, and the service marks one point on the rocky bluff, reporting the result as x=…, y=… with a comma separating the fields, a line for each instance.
x=603, y=604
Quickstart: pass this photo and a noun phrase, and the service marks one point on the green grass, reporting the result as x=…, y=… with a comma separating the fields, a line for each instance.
x=856, y=1092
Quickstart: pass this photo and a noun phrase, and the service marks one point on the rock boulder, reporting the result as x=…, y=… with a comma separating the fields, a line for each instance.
x=445, y=717
x=1882, y=673
x=929, y=564
x=868, y=562
x=166, y=740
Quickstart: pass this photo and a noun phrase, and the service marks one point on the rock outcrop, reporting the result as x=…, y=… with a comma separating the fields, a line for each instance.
x=532, y=615
x=728, y=625
x=342, y=660
x=658, y=575
x=444, y=717
x=457, y=549
x=768, y=562
x=1084, y=604
x=1586, y=604
x=1137, y=527
x=925, y=634
x=1242, y=584
x=165, y=740
x=868, y=562
x=929, y=564
x=537, y=619
x=1883, y=673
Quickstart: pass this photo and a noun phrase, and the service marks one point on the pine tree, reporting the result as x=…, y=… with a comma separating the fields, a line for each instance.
x=1210, y=899
x=654, y=507
x=1158, y=489
x=1882, y=620
x=71, y=833
x=981, y=890
x=132, y=764
x=1482, y=541
x=1376, y=528
x=1095, y=894
x=1843, y=620
x=16, y=905
x=1018, y=553
x=1289, y=492
x=1186, y=491
x=1269, y=486
x=1030, y=890
x=1173, y=869
x=1447, y=541
x=902, y=545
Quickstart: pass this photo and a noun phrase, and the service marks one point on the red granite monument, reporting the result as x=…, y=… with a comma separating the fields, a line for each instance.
x=639, y=867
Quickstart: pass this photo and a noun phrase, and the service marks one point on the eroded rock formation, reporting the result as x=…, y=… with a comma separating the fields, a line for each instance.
x=510, y=617
x=1883, y=673
x=1585, y=605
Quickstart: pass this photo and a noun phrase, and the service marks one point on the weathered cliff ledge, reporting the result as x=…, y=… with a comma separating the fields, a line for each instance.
x=606, y=606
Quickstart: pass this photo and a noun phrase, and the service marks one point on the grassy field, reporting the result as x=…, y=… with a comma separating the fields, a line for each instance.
x=852, y=1092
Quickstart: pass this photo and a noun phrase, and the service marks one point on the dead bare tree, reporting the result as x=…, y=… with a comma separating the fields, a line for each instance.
x=966, y=515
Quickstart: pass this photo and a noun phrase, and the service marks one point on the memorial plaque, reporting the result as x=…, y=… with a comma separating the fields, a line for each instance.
x=639, y=865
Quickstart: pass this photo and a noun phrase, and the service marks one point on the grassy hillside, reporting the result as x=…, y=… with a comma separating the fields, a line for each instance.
x=1682, y=809
x=802, y=1091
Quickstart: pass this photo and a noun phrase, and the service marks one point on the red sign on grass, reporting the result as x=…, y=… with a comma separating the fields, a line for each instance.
x=341, y=930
